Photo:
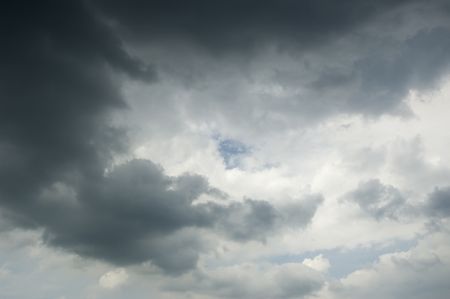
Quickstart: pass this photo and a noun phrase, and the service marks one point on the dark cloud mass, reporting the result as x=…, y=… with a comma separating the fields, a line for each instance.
x=136, y=213
x=55, y=91
x=241, y=25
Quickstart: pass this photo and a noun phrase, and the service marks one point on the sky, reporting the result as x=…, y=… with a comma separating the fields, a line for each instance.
x=209, y=149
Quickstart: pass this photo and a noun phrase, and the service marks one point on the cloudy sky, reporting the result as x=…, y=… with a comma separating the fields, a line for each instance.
x=225, y=149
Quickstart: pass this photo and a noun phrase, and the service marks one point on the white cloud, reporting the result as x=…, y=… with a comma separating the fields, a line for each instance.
x=113, y=279
x=419, y=273
x=318, y=263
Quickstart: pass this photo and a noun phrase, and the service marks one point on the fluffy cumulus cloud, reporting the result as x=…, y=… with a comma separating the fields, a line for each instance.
x=224, y=149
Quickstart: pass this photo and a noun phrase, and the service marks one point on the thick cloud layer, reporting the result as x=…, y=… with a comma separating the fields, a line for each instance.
x=241, y=25
x=55, y=90
x=282, y=83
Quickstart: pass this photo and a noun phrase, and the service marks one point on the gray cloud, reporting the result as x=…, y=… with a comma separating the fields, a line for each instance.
x=384, y=80
x=241, y=26
x=385, y=201
x=135, y=213
x=56, y=89
x=249, y=220
x=378, y=200
x=438, y=202
x=256, y=219
x=368, y=73
x=55, y=92
x=365, y=67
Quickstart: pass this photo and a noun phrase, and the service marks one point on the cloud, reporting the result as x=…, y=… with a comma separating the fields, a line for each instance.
x=56, y=142
x=56, y=91
x=417, y=273
x=318, y=263
x=385, y=201
x=259, y=74
x=438, y=202
x=113, y=279
x=136, y=213
x=378, y=200
x=384, y=79
x=338, y=62
x=249, y=280
x=256, y=219
x=237, y=26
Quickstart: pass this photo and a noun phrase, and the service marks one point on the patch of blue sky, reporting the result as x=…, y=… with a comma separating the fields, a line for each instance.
x=345, y=261
x=232, y=151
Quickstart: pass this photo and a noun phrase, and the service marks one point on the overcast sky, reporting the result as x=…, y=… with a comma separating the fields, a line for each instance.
x=225, y=149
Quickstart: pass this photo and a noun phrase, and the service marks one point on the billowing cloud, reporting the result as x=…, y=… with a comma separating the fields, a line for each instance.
x=136, y=213
x=56, y=88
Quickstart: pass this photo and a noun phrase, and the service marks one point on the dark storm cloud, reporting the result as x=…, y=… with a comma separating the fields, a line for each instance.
x=240, y=25
x=136, y=213
x=55, y=89
x=131, y=216
x=378, y=200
